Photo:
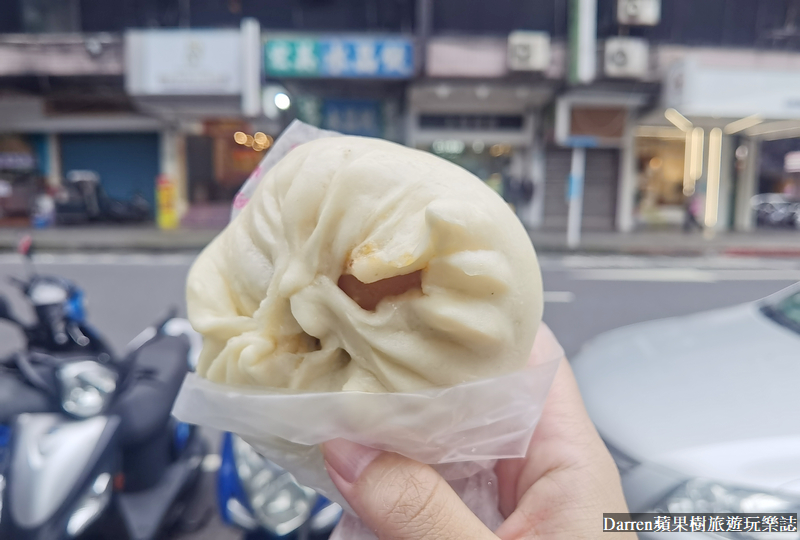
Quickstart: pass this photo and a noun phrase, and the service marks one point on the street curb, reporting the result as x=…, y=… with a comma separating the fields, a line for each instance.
x=126, y=239
x=110, y=240
x=760, y=252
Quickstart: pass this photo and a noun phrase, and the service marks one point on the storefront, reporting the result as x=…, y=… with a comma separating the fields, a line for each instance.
x=127, y=163
x=221, y=158
x=592, y=161
x=491, y=137
x=203, y=87
x=779, y=168
x=353, y=85
x=739, y=125
x=660, y=162
x=482, y=109
x=776, y=204
x=23, y=170
x=41, y=146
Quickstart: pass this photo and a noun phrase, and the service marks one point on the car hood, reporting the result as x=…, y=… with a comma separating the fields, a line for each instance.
x=710, y=391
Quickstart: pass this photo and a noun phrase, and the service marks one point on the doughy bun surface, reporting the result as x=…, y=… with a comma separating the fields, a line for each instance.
x=442, y=282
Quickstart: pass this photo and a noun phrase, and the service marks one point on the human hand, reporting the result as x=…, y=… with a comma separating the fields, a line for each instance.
x=560, y=489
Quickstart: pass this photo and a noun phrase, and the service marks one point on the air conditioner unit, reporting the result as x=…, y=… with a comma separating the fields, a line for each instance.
x=528, y=51
x=627, y=58
x=639, y=12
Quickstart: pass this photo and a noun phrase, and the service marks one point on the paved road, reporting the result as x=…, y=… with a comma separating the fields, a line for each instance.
x=585, y=295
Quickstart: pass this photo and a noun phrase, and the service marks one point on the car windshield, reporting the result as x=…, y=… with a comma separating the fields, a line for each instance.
x=785, y=311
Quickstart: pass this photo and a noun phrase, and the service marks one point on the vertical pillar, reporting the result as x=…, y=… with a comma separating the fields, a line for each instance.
x=725, y=183
x=250, y=39
x=747, y=185
x=711, y=217
x=626, y=187
x=576, y=179
x=583, y=41
x=173, y=169
x=424, y=25
x=54, y=172
x=538, y=176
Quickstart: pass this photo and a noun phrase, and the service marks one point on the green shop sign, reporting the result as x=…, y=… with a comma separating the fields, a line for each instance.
x=385, y=58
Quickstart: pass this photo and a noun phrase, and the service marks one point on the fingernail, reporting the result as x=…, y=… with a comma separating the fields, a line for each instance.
x=348, y=459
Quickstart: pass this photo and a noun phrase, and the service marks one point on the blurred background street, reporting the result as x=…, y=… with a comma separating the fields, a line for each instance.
x=651, y=149
x=585, y=295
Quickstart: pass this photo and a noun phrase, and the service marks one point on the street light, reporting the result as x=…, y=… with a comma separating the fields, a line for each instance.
x=282, y=101
x=274, y=100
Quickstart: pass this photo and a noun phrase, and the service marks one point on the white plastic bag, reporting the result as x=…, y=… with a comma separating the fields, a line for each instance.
x=460, y=430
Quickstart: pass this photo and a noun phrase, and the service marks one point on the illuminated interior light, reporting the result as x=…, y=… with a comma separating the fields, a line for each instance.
x=696, y=159
x=678, y=120
x=688, y=181
x=743, y=124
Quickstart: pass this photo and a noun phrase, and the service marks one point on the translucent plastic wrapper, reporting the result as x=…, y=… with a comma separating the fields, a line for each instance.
x=460, y=430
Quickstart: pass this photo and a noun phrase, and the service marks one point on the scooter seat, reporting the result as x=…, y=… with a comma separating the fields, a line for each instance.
x=155, y=376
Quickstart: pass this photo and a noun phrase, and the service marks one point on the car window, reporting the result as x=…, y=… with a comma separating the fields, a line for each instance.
x=785, y=311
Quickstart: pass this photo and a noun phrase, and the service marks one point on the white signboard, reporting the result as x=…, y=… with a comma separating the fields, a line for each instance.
x=791, y=162
x=701, y=90
x=463, y=57
x=183, y=62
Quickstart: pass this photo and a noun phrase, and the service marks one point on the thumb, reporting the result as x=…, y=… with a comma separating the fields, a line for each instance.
x=398, y=498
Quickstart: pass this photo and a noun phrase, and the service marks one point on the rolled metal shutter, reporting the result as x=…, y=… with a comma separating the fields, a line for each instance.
x=599, y=194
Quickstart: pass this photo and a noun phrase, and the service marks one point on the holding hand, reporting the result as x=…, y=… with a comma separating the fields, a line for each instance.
x=560, y=489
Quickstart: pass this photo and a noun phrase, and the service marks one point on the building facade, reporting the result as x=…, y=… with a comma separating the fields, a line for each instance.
x=586, y=115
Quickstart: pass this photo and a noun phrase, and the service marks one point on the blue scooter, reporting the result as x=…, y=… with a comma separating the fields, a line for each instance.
x=87, y=443
x=265, y=501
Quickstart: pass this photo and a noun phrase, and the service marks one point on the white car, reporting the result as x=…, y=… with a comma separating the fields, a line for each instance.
x=702, y=413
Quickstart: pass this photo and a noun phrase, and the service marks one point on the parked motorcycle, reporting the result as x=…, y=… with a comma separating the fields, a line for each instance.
x=84, y=200
x=87, y=443
x=266, y=501
x=776, y=210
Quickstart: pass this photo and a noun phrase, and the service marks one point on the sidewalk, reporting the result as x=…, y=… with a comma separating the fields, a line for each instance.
x=108, y=238
x=127, y=238
x=756, y=244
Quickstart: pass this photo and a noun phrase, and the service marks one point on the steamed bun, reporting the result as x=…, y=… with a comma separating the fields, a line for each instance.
x=443, y=282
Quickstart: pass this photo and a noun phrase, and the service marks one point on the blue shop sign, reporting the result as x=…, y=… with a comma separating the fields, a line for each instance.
x=352, y=117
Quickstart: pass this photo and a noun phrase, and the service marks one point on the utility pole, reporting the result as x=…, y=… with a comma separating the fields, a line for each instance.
x=423, y=30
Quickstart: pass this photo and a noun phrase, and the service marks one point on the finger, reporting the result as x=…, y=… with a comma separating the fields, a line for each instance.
x=398, y=498
x=545, y=348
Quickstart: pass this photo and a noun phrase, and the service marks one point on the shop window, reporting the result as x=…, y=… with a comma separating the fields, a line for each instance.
x=660, y=171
